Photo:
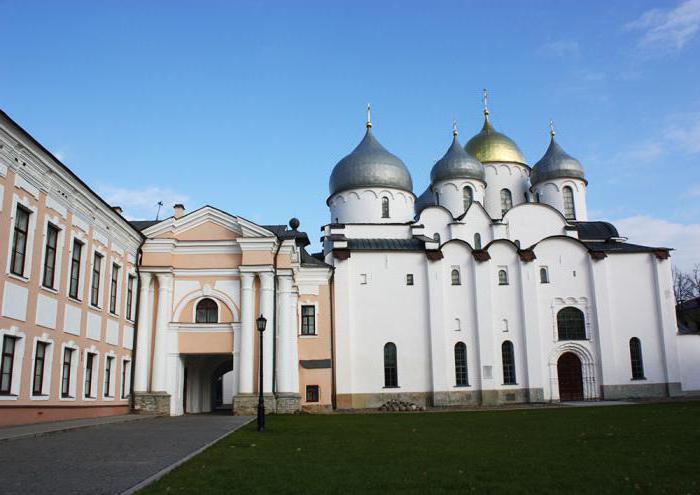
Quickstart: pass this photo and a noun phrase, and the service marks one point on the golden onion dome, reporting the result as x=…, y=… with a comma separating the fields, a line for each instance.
x=492, y=146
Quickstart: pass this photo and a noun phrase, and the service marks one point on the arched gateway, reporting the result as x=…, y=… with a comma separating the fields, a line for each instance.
x=570, y=377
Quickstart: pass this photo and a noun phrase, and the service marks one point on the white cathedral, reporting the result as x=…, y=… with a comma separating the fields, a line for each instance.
x=491, y=287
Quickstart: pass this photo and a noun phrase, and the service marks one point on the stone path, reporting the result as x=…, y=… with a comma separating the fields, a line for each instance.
x=38, y=429
x=111, y=458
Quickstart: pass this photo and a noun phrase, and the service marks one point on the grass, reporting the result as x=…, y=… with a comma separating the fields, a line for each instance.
x=649, y=448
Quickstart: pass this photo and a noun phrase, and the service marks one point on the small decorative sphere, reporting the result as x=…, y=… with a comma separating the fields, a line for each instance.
x=294, y=223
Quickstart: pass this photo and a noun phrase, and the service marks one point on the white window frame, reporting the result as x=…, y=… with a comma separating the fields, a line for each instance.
x=106, y=262
x=459, y=275
x=83, y=265
x=48, y=368
x=95, y=373
x=72, y=392
x=539, y=275
x=118, y=302
x=56, y=222
x=498, y=278
x=134, y=295
x=109, y=394
x=125, y=385
x=16, y=385
x=31, y=233
x=300, y=319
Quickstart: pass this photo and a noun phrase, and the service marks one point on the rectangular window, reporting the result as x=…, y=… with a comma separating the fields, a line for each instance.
x=113, y=289
x=308, y=320
x=8, y=362
x=129, y=296
x=125, y=379
x=19, y=243
x=312, y=393
x=89, y=367
x=50, y=255
x=66, y=378
x=39, y=361
x=409, y=279
x=108, y=376
x=75, y=268
x=95, y=288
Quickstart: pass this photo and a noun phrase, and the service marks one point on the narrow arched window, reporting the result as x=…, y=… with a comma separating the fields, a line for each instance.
x=571, y=324
x=538, y=198
x=502, y=277
x=569, y=208
x=455, y=277
x=385, y=207
x=544, y=276
x=461, y=375
x=636, y=359
x=508, y=359
x=477, y=241
x=506, y=201
x=467, y=196
x=207, y=312
x=391, y=376
x=436, y=237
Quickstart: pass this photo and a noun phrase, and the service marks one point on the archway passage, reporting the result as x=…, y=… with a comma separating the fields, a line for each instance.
x=570, y=377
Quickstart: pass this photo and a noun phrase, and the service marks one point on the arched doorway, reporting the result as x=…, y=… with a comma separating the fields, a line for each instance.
x=570, y=377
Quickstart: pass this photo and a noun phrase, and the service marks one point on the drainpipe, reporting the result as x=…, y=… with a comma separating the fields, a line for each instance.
x=274, y=316
x=135, y=350
x=331, y=293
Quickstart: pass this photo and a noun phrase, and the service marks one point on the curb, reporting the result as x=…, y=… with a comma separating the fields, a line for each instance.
x=155, y=477
x=71, y=427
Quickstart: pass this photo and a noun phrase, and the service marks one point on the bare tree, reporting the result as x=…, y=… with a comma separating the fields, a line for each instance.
x=694, y=280
x=683, y=287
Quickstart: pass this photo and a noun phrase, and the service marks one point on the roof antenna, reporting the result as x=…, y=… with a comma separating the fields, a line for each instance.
x=160, y=205
x=369, y=116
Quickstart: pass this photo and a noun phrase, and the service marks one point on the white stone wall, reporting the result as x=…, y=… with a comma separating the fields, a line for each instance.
x=551, y=193
x=365, y=206
x=504, y=175
x=451, y=194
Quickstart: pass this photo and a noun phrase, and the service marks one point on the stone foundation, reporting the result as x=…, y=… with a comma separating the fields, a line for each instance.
x=247, y=404
x=448, y=398
x=152, y=403
x=641, y=390
x=373, y=401
x=288, y=403
x=464, y=397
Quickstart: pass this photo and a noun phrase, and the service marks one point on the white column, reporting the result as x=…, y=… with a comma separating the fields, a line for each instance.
x=489, y=347
x=160, y=353
x=286, y=340
x=246, y=345
x=666, y=324
x=294, y=331
x=438, y=366
x=605, y=333
x=143, y=337
x=267, y=309
x=530, y=328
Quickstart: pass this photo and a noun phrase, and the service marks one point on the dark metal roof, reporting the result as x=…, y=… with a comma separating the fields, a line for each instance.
x=142, y=225
x=370, y=165
x=595, y=231
x=457, y=164
x=312, y=261
x=555, y=164
x=386, y=245
x=621, y=247
x=424, y=200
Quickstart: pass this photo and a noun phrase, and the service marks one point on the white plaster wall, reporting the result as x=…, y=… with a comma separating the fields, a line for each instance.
x=633, y=314
x=128, y=337
x=551, y=194
x=504, y=175
x=377, y=231
x=531, y=222
x=451, y=195
x=365, y=205
x=386, y=310
x=14, y=303
x=72, y=319
x=689, y=357
x=112, y=336
x=94, y=326
x=46, y=310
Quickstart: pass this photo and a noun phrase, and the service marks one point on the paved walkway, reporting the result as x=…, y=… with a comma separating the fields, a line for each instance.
x=38, y=429
x=106, y=459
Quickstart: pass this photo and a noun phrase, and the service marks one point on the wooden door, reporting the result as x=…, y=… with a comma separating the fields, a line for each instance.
x=570, y=377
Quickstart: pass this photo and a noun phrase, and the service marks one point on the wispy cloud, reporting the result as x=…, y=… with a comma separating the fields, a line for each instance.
x=560, y=48
x=647, y=230
x=667, y=30
x=686, y=136
x=140, y=204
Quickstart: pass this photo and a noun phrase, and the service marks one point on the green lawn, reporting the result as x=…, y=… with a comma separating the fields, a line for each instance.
x=651, y=448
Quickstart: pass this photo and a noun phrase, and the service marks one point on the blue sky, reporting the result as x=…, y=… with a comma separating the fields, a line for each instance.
x=248, y=105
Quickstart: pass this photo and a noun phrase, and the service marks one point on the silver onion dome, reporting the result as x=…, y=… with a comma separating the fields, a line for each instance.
x=370, y=165
x=457, y=164
x=424, y=200
x=556, y=164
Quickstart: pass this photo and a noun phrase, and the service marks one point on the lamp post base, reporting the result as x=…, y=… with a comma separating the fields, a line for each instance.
x=247, y=404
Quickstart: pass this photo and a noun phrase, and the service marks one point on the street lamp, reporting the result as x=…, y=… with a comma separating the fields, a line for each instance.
x=260, y=323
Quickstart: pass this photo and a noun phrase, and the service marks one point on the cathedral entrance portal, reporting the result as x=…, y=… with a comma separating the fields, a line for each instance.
x=570, y=377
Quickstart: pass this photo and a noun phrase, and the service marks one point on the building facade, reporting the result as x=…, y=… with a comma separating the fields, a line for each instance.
x=491, y=287
x=67, y=288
